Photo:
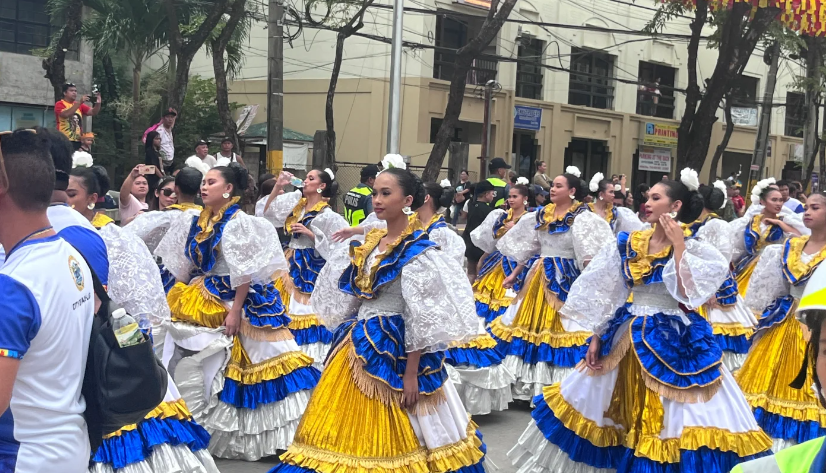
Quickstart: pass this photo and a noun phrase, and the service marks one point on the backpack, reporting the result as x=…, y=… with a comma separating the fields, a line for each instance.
x=121, y=385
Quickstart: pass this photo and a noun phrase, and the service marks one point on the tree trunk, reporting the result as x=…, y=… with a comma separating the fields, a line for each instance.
x=464, y=59
x=219, y=47
x=330, y=158
x=136, y=133
x=809, y=160
x=718, y=153
x=114, y=95
x=692, y=92
x=54, y=65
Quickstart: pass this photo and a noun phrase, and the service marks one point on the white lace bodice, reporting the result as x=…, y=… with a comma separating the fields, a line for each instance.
x=768, y=282
x=152, y=226
x=325, y=223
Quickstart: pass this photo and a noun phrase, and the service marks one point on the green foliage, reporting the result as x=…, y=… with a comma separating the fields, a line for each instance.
x=199, y=118
x=666, y=12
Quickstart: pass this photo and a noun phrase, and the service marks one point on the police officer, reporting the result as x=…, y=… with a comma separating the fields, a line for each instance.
x=498, y=174
x=358, y=203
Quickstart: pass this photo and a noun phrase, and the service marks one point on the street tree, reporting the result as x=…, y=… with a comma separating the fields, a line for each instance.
x=226, y=41
x=54, y=56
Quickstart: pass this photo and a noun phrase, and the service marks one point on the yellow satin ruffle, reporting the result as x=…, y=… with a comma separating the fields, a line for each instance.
x=794, y=263
x=773, y=362
x=173, y=409
x=366, y=275
x=582, y=427
x=100, y=220
x=731, y=330
x=194, y=304
x=298, y=212
x=488, y=289
x=241, y=369
x=744, y=277
x=643, y=263
x=537, y=320
x=693, y=438
x=208, y=219
x=481, y=342
x=300, y=322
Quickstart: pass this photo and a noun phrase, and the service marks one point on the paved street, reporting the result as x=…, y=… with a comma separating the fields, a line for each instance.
x=500, y=429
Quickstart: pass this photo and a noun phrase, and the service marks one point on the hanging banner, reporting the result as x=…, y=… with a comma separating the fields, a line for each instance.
x=655, y=159
x=658, y=134
x=527, y=118
x=742, y=116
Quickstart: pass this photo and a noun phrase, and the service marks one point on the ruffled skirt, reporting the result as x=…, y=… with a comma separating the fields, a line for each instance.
x=355, y=423
x=732, y=327
x=640, y=413
x=166, y=441
x=491, y=298
x=790, y=416
x=540, y=345
x=248, y=391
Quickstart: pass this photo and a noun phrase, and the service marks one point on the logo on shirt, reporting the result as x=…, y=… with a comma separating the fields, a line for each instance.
x=77, y=273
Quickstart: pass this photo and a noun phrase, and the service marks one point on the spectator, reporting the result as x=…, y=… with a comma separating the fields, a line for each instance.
x=358, y=202
x=739, y=201
x=665, y=177
x=512, y=178
x=640, y=198
x=167, y=142
x=788, y=201
x=86, y=141
x=133, y=194
x=541, y=196
x=619, y=199
x=614, y=179
x=202, y=153
x=226, y=152
x=165, y=194
x=152, y=157
x=540, y=178
x=728, y=212
x=46, y=315
x=477, y=212
x=499, y=169
x=461, y=195
x=69, y=113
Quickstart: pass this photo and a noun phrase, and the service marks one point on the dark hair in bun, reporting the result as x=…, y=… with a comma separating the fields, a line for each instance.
x=331, y=186
x=692, y=200
x=577, y=184
x=439, y=196
x=601, y=187
x=95, y=179
x=768, y=190
x=410, y=184
x=713, y=198
x=188, y=181
x=236, y=175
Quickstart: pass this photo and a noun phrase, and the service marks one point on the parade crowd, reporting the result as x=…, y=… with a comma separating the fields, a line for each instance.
x=670, y=329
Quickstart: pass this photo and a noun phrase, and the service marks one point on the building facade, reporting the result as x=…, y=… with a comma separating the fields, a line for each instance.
x=604, y=101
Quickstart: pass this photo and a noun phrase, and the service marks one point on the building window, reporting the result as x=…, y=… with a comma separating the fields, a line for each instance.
x=591, y=79
x=795, y=110
x=13, y=117
x=655, y=94
x=453, y=34
x=744, y=92
x=590, y=156
x=25, y=26
x=529, y=68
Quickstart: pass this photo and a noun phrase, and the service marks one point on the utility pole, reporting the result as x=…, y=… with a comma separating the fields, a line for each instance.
x=812, y=98
x=487, y=128
x=758, y=160
x=275, y=87
x=394, y=111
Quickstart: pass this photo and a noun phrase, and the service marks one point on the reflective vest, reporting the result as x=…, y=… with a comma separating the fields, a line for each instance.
x=500, y=187
x=355, y=204
x=797, y=459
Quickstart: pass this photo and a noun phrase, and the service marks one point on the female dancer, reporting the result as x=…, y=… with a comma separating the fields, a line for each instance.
x=652, y=394
x=167, y=439
x=731, y=321
x=310, y=221
x=383, y=403
x=788, y=415
x=539, y=345
x=242, y=373
x=752, y=233
x=621, y=219
x=492, y=299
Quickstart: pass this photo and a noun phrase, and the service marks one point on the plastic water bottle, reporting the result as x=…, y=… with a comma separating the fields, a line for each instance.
x=296, y=182
x=145, y=326
x=127, y=331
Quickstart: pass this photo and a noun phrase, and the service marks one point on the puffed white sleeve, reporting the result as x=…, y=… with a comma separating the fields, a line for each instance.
x=702, y=271
x=590, y=233
x=151, y=227
x=134, y=280
x=627, y=221
x=171, y=248
x=767, y=282
x=522, y=241
x=451, y=244
x=252, y=250
x=717, y=233
x=438, y=303
x=738, y=241
x=281, y=207
x=598, y=291
x=371, y=221
x=329, y=302
x=323, y=226
x=482, y=236
x=796, y=222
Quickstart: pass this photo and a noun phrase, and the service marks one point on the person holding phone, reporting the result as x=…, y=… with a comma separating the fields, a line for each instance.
x=133, y=193
x=69, y=113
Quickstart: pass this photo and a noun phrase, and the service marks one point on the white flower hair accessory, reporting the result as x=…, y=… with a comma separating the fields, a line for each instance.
x=81, y=159
x=195, y=162
x=689, y=177
x=722, y=186
x=393, y=161
x=617, y=188
x=521, y=180
x=330, y=173
x=759, y=188
x=573, y=170
x=593, y=186
x=445, y=184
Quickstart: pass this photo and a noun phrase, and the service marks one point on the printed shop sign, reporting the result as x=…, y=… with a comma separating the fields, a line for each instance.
x=655, y=159
x=527, y=118
x=658, y=134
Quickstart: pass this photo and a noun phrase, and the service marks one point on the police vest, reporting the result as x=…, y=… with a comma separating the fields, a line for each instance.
x=499, y=185
x=355, y=203
x=797, y=459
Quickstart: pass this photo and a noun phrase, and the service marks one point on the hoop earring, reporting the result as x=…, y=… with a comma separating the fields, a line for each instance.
x=572, y=196
x=525, y=203
x=225, y=195
x=406, y=210
x=672, y=214
x=319, y=190
x=91, y=206
x=600, y=198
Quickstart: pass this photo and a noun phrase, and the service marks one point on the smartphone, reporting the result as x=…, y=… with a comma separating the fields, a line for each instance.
x=147, y=169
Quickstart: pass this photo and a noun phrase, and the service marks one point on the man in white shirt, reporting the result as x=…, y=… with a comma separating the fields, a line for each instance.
x=789, y=202
x=46, y=317
x=167, y=143
x=227, y=153
x=202, y=153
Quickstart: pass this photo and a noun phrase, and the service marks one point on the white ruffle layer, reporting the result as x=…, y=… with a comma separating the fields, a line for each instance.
x=534, y=454
x=482, y=389
x=166, y=458
x=318, y=352
x=530, y=379
x=733, y=361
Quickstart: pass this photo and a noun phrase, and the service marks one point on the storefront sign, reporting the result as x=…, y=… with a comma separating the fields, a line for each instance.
x=743, y=116
x=527, y=118
x=655, y=159
x=657, y=134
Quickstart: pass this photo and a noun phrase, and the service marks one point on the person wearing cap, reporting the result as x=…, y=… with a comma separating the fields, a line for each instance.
x=226, y=152
x=202, y=153
x=541, y=196
x=358, y=202
x=477, y=211
x=69, y=113
x=499, y=174
x=729, y=213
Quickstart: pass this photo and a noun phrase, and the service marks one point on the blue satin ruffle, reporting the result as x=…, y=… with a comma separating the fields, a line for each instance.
x=473, y=357
x=251, y=396
x=204, y=254
x=508, y=265
x=438, y=223
x=704, y=460
x=733, y=344
x=775, y=313
x=779, y=427
x=562, y=225
x=305, y=264
x=167, y=278
x=379, y=343
x=727, y=294
x=627, y=255
x=312, y=334
x=560, y=274
x=563, y=357
x=263, y=306
x=483, y=310
x=134, y=446
x=491, y=261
